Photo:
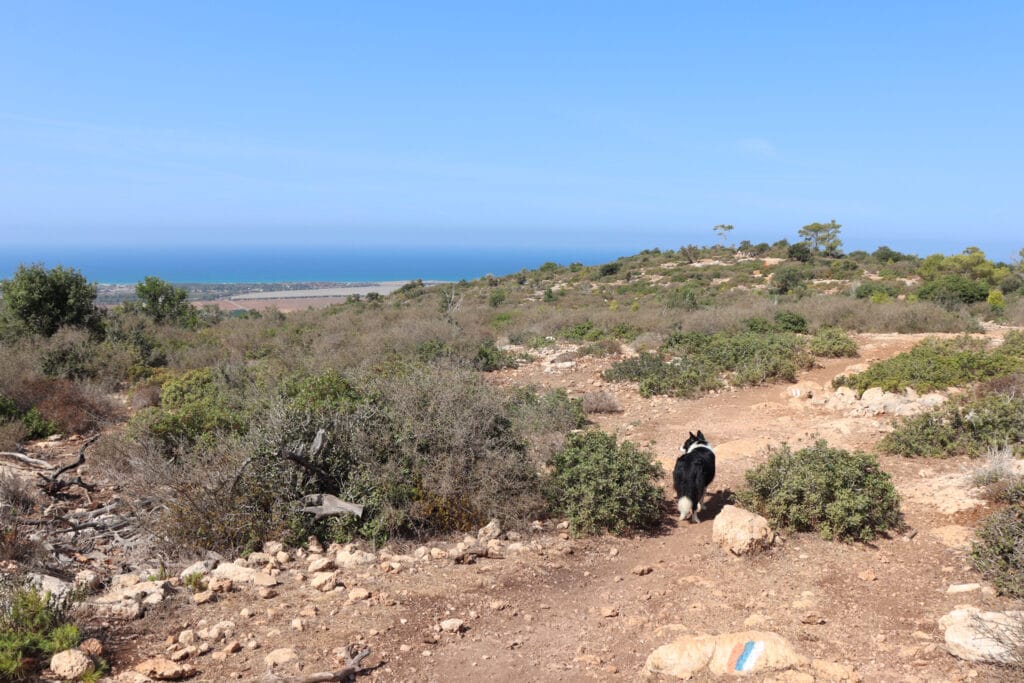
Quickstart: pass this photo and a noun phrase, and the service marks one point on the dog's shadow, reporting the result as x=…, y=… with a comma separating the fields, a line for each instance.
x=712, y=505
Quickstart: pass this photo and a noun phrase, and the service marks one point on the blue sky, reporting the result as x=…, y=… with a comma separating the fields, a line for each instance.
x=528, y=123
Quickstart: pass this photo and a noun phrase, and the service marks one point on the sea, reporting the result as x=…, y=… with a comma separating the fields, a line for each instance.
x=223, y=264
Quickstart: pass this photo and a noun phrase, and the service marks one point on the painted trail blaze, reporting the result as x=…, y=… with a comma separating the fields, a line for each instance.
x=745, y=655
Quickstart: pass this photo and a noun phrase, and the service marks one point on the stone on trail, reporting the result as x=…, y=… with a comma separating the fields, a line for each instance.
x=741, y=532
x=977, y=636
x=729, y=653
x=71, y=665
x=163, y=669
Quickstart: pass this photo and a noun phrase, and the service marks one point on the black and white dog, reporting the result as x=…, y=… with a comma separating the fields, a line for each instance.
x=694, y=470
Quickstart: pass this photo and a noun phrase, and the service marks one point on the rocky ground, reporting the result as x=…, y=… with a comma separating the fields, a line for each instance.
x=542, y=606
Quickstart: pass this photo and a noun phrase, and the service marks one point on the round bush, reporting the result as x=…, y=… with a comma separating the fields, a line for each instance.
x=841, y=495
x=999, y=551
x=833, y=342
x=601, y=485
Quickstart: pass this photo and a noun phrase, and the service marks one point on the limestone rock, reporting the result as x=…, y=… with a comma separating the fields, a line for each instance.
x=70, y=665
x=163, y=669
x=321, y=564
x=728, y=653
x=357, y=594
x=280, y=656
x=202, y=568
x=978, y=636
x=87, y=579
x=350, y=558
x=489, y=532
x=452, y=625
x=741, y=532
x=324, y=581
x=235, y=572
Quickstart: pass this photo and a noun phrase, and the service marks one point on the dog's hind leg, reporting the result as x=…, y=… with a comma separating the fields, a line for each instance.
x=685, y=508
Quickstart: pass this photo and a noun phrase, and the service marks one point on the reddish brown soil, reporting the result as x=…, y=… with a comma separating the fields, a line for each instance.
x=555, y=627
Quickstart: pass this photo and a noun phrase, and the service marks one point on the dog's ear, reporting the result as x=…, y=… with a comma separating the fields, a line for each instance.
x=692, y=436
x=700, y=435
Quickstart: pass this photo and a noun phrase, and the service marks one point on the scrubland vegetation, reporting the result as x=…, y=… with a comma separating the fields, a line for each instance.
x=385, y=401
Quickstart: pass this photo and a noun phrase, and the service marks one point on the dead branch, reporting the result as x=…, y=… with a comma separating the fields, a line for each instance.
x=26, y=460
x=352, y=668
x=54, y=485
x=322, y=475
x=325, y=505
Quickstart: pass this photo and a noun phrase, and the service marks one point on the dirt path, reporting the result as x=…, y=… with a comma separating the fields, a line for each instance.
x=574, y=610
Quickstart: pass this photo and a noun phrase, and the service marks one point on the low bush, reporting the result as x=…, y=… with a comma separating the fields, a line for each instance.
x=33, y=625
x=600, y=402
x=941, y=363
x=961, y=426
x=832, y=342
x=876, y=291
x=601, y=485
x=953, y=290
x=679, y=377
x=490, y=358
x=841, y=495
x=998, y=553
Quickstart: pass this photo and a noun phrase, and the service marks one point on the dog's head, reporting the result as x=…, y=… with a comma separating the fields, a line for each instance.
x=693, y=441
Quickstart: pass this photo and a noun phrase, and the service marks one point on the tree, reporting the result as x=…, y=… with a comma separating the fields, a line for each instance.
x=165, y=303
x=723, y=231
x=823, y=237
x=44, y=300
x=799, y=251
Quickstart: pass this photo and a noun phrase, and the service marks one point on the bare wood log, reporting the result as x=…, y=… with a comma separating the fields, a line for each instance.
x=321, y=475
x=325, y=505
x=26, y=460
x=352, y=668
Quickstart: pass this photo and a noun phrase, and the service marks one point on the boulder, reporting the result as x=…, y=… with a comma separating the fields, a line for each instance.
x=978, y=636
x=71, y=665
x=235, y=572
x=349, y=558
x=489, y=532
x=741, y=532
x=163, y=669
x=202, y=568
x=726, y=654
x=280, y=656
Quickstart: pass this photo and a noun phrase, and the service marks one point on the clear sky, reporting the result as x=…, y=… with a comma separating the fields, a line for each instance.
x=632, y=124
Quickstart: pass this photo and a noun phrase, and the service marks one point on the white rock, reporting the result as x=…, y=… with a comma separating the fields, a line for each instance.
x=978, y=636
x=202, y=568
x=489, y=532
x=452, y=625
x=741, y=532
x=235, y=572
x=349, y=558
x=87, y=579
x=963, y=588
x=71, y=665
x=321, y=564
x=280, y=656
x=324, y=581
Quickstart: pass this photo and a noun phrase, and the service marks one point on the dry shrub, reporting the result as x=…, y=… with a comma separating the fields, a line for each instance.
x=145, y=396
x=600, y=402
x=896, y=316
x=12, y=435
x=1007, y=385
x=76, y=407
x=17, y=498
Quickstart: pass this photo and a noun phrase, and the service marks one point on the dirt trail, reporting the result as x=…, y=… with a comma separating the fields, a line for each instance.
x=577, y=612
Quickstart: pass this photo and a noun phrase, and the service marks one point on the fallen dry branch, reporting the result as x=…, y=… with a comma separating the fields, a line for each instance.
x=54, y=485
x=352, y=668
x=26, y=460
x=325, y=505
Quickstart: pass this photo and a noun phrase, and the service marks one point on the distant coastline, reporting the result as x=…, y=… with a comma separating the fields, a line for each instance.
x=332, y=265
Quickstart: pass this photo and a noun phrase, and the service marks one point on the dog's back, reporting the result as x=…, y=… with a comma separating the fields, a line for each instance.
x=694, y=471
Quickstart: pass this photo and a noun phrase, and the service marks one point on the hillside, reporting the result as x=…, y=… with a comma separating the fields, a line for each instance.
x=439, y=407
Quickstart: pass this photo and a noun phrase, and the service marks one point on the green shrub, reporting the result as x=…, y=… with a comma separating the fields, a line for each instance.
x=999, y=551
x=871, y=290
x=33, y=625
x=194, y=406
x=681, y=377
x=497, y=298
x=833, y=342
x=938, y=364
x=790, y=279
x=788, y=321
x=600, y=485
x=490, y=358
x=962, y=426
x=952, y=290
x=839, y=494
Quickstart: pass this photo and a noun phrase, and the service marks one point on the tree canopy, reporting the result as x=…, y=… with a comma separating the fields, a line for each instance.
x=165, y=303
x=823, y=237
x=45, y=300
